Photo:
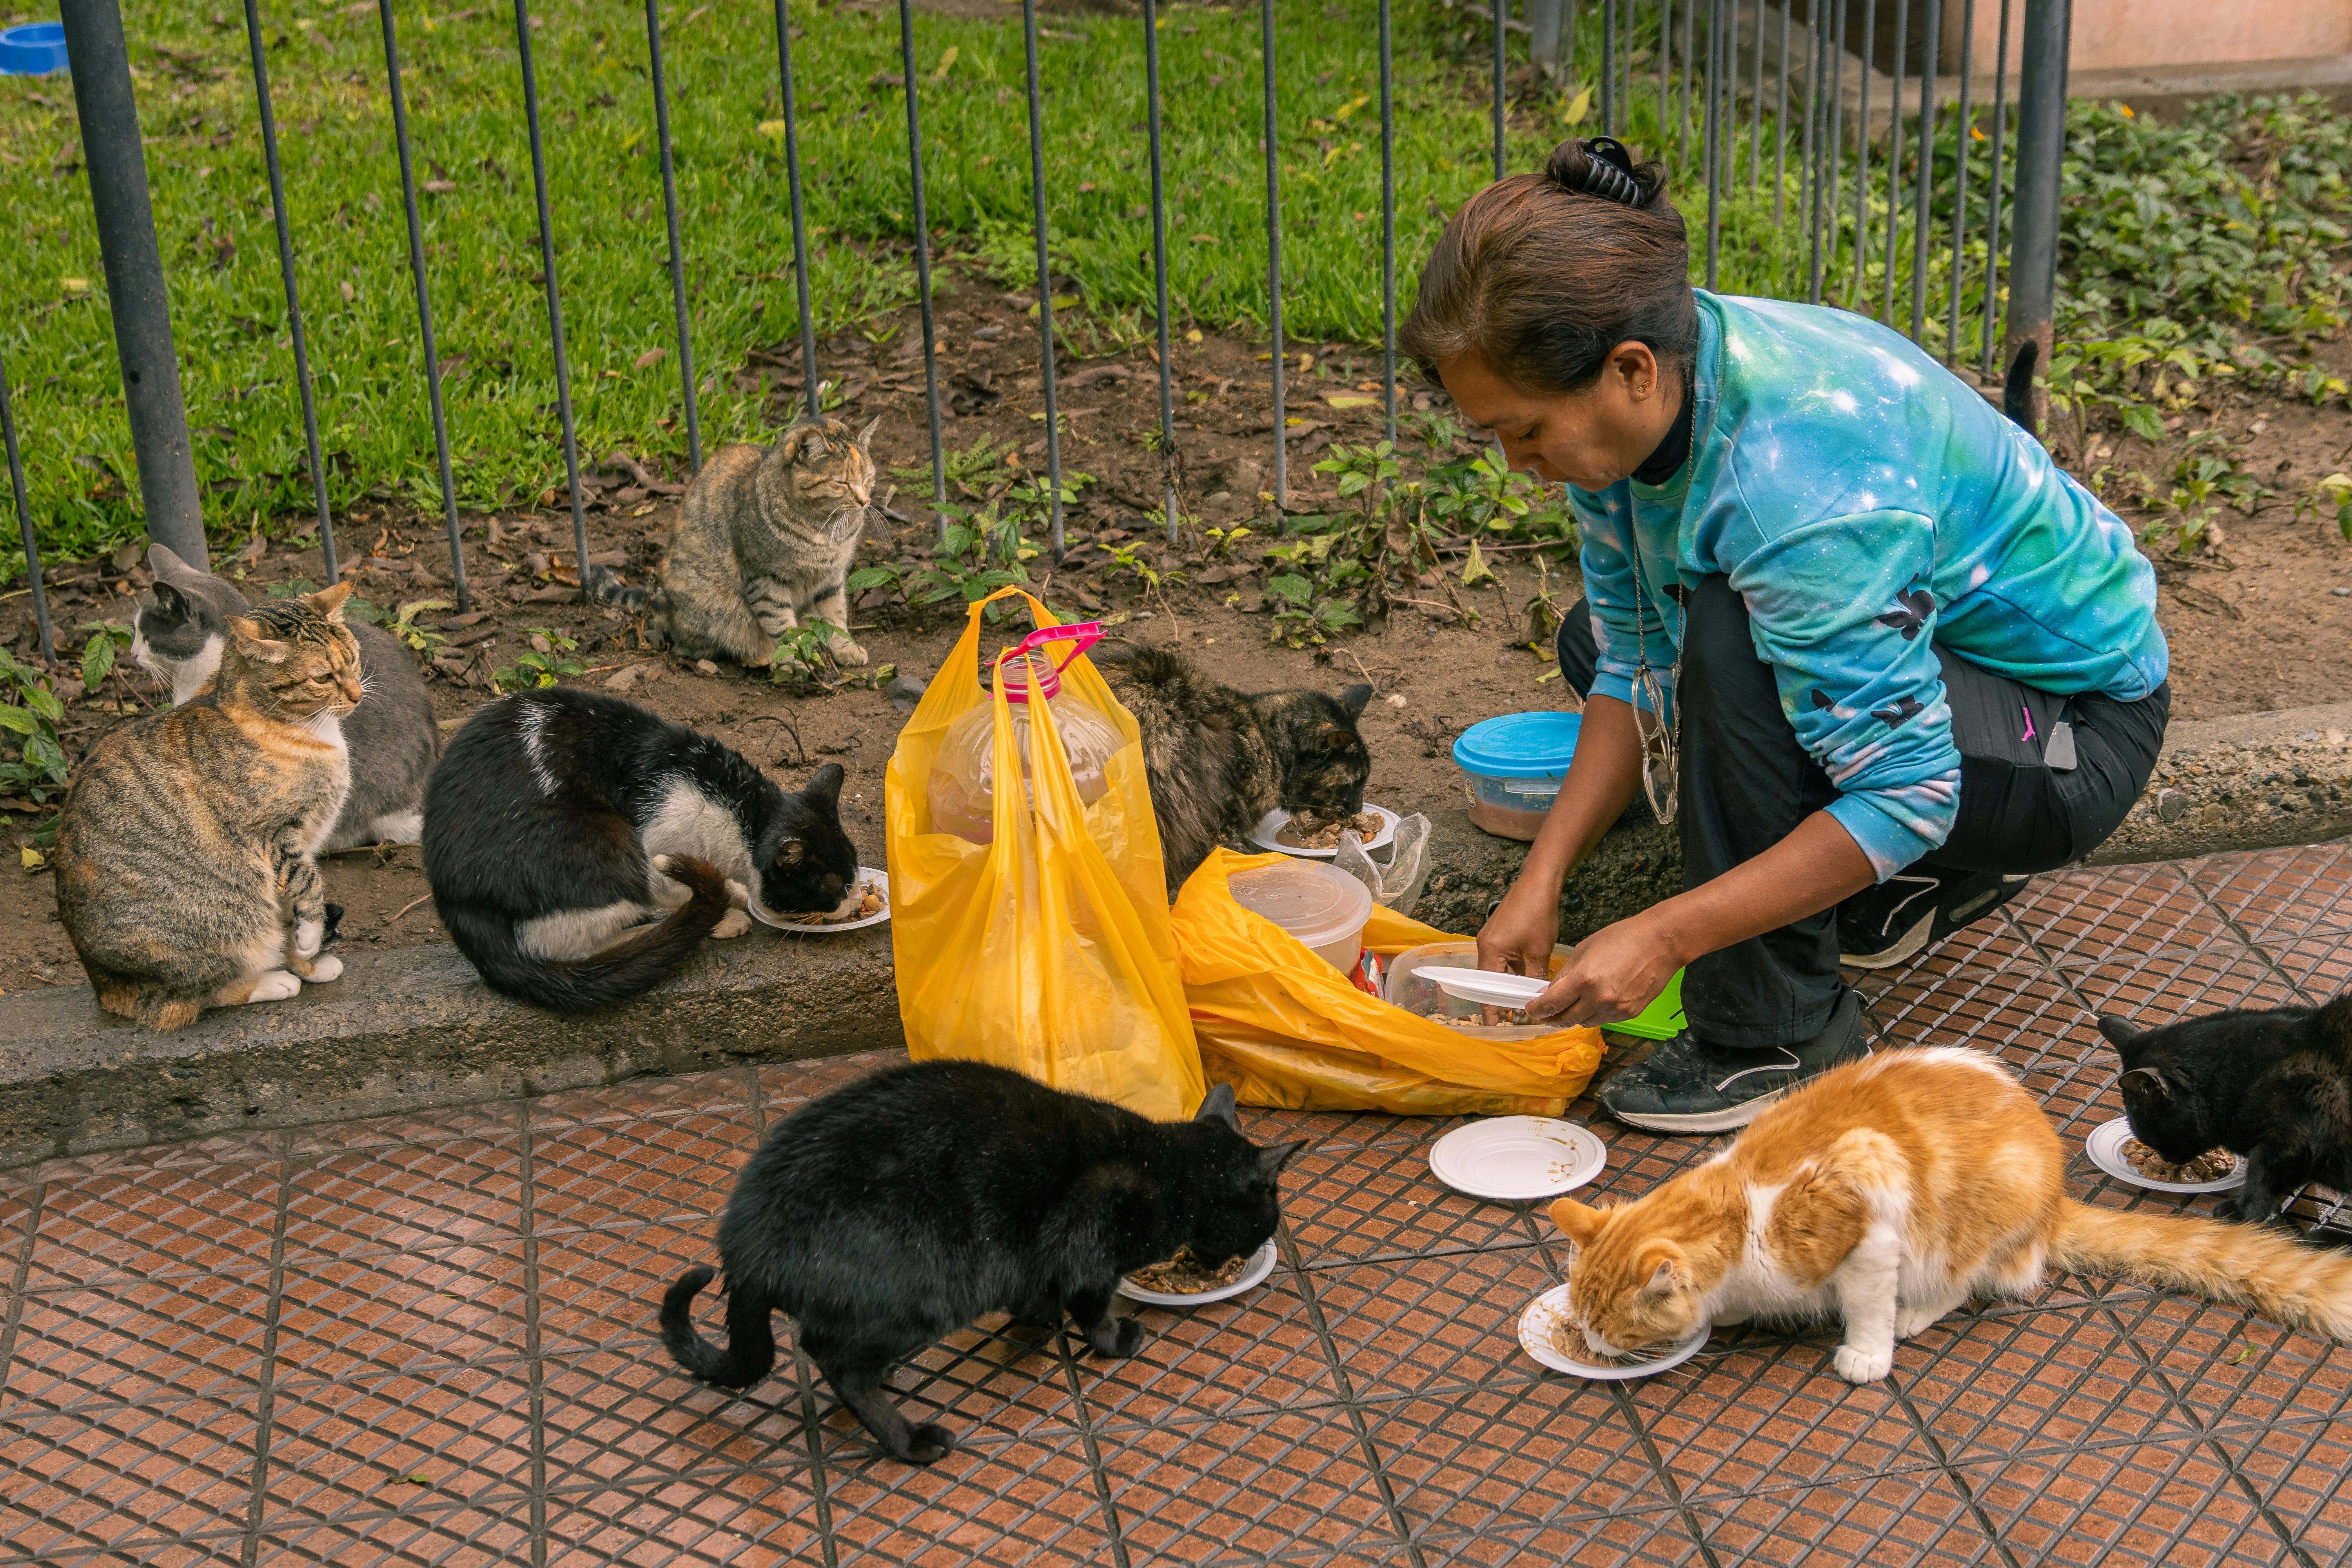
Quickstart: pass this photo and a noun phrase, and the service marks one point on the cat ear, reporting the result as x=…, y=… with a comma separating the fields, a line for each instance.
x=824, y=788
x=254, y=643
x=1578, y=1222
x=328, y=602
x=1217, y=1105
x=1272, y=1160
x=1662, y=1280
x=1355, y=700
x=1335, y=739
x=169, y=601
x=2150, y=1082
x=2118, y=1033
x=792, y=852
x=866, y=436
x=802, y=441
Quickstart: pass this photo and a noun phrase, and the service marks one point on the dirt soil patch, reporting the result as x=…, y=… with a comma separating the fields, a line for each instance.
x=2265, y=622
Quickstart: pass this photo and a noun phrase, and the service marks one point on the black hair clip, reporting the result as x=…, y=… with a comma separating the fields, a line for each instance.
x=1609, y=172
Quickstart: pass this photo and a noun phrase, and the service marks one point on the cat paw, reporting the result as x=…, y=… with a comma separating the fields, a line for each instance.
x=1858, y=1366
x=1125, y=1337
x=734, y=922
x=275, y=986
x=847, y=654
x=1911, y=1321
x=325, y=969
x=928, y=1443
x=738, y=894
x=660, y=863
x=310, y=936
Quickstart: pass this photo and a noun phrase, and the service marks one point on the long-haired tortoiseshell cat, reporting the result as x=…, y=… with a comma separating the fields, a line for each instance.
x=1887, y=1193
x=764, y=538
x=185, y=852
x=1218, y=760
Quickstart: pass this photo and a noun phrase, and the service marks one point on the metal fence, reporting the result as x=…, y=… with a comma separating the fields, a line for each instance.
x=1749, y=101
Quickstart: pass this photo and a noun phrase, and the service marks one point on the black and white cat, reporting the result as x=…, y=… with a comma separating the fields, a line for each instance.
x=895, y=1210
x=579, y=847
x=2271, y=1084
x=177, y=634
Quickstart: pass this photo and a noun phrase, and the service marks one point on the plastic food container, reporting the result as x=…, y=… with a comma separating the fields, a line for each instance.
x=962, y=785
x=36, y=49
x=1406, y=989
x=1512, y=768
x=1320, y=905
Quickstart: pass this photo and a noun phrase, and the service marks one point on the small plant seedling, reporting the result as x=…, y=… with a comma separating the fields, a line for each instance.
x=31, y=713
x=2332, y=494
x=404, y=625
x=543, y=663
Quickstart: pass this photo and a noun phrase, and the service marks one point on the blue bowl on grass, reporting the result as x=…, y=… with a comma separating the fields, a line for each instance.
x=36, y=49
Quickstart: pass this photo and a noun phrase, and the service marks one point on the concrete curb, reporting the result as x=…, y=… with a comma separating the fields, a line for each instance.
x=412, y=1029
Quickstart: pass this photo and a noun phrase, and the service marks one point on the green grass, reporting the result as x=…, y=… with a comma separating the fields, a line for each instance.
x=462, y=86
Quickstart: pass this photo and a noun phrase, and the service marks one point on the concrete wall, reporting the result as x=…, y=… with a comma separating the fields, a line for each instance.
x=2113, y=35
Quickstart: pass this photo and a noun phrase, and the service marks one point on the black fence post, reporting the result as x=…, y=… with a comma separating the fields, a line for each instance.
x=2033, y=231
x=134, y=276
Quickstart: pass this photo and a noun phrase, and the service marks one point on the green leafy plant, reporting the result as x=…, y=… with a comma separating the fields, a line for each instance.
x=107, y=641
x=2333, y=494
x=404, y=625
x=33, y=766
x=2205, y=478
x=804, y=659
x=542, y=662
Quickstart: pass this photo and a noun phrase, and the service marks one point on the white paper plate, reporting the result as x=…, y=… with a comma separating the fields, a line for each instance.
x=880, y=881
x=2106, y=1148
x=1518, y=1159
x=1261, y=1265
x=1263, y=834
x=1488, y=988
x=1539, y=1329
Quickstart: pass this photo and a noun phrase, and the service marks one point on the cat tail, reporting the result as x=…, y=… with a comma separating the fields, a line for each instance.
x=750, y=1336
x=619, y=972
x=602, y=584
x=2244, y=1265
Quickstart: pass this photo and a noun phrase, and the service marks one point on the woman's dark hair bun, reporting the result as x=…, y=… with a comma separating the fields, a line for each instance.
x=1602, y=166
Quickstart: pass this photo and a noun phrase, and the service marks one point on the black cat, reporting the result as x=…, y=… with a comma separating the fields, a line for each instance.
x=1218, y=760
x=2274, y=1085
x=579, y=847
x=894, y=1211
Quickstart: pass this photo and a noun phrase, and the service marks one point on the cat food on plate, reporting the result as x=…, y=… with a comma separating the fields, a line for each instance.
x=872, y=893
x=1550, y=1332
x=1304, y=833
x=1185, y=1275
x=1320, y=905
x=1407, y=988
x=1308, y=831
x=2209, y=1166
x=1183, y=1281
x=1512, y=768
x=2113, y=1149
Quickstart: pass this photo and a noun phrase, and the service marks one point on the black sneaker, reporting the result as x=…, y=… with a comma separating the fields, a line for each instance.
x=1881, y=927
x=1689, y=1086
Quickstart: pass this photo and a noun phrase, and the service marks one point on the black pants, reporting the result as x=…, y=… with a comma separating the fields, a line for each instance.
x=1746, y=782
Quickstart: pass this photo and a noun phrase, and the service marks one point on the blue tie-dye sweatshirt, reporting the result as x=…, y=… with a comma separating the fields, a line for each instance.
x=1869, y=507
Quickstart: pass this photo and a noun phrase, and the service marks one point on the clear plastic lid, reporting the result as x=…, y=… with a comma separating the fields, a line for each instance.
x=1318, y=904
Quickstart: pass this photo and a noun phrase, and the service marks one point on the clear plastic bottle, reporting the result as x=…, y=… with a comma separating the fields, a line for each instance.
x=962, y=785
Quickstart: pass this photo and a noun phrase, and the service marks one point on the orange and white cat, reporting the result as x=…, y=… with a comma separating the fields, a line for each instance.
x=1887, y=1193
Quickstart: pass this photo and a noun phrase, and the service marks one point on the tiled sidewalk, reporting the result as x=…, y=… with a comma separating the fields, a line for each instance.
x=430, y=1341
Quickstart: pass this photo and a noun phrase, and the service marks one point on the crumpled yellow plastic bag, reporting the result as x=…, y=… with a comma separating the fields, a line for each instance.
x=1286, y=1028
x=1048, y=950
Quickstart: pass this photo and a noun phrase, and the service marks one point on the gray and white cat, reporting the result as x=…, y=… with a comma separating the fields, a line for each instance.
x=765, y=538
x=182, y=625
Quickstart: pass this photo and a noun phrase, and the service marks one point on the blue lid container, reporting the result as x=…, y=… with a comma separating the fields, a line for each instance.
x=36, y=49
x=1519, y=746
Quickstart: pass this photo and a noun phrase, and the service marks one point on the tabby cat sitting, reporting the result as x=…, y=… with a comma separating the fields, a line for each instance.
x=1218, y=760
x=184, y=854
x=579, y=847
x=177, y=635
x=890, y=1213
x=2274, y=1085
x=764, y=540
x=1886, y=1193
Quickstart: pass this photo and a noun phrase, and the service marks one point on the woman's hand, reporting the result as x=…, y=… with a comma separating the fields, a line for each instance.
x=1613, y=974
x=1517, y=937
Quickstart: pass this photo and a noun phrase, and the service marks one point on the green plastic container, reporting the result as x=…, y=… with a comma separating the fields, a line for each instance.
x=1661, y=1020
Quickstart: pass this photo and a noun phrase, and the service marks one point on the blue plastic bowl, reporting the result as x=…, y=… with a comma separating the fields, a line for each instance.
x=1512, y=768
x=36, y=49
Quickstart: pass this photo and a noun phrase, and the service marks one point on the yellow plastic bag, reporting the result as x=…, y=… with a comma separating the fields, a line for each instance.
x=1284, y=1028
x=1048, y=950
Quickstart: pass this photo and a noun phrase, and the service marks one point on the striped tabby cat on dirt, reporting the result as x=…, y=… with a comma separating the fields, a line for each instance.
x=185, y=876
x=182, y=626
x=764, y=540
